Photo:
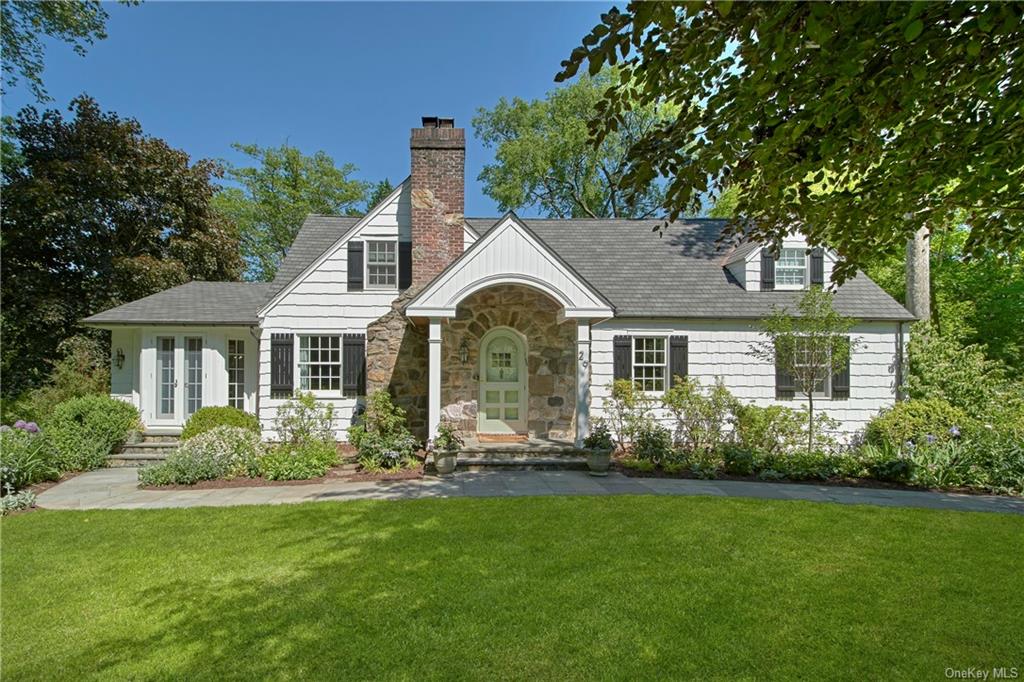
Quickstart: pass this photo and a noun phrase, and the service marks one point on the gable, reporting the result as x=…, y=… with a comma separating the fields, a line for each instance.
x=390, y=219
x=510, y=254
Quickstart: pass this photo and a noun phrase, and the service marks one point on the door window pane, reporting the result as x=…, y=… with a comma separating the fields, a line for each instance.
x=193, y=374
x=165, y=376
x=236, y=373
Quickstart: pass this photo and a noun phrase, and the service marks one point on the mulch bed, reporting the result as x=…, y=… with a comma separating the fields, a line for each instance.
x=831, y=482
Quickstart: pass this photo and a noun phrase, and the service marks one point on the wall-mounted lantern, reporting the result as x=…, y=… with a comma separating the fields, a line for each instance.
x=463, y=352
x=119, y=359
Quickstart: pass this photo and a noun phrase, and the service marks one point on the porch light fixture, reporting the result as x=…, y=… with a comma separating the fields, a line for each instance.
x=119, y=359
x=463, y=352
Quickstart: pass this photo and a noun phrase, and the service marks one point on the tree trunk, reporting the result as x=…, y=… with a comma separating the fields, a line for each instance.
x=810, y=423
x=918, y=275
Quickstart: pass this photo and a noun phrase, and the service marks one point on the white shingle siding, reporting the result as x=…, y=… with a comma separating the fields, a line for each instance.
x=721, y=349
x=320, y=303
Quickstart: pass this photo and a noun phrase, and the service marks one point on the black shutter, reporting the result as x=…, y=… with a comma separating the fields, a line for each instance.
x=623, y=358
x=767, y=270
x=785, y=386
x=404, y=265
x=355, y=266
x=282, y=354
x=841, y=379
x=678, y=358
x=353, y=365
x=818, y=266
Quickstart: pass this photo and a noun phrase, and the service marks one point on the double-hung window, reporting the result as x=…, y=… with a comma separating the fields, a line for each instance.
x=649, y=362
x=382, y=264
x=804, y=359
x=320, y=363
x=791, y=269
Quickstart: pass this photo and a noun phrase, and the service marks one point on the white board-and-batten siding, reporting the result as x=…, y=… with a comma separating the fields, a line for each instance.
x=722, y=349
x=319, y=302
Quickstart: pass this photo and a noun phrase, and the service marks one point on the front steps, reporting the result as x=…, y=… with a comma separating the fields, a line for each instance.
x=530, y=455
x=152, y=449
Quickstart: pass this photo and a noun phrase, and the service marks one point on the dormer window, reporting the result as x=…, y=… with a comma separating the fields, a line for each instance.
x=791, y=269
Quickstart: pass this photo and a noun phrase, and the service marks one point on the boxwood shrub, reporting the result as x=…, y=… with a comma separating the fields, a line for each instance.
x=85, y=430
x=206, y=418
x=916, y=421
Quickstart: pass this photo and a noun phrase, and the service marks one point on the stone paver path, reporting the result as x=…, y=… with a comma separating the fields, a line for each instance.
x=118, y=489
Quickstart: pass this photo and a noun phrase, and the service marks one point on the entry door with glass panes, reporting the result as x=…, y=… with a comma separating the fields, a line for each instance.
x=178, y=377
x=502, y=403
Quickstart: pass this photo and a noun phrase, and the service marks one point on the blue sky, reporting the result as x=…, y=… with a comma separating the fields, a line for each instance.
x=348, y=78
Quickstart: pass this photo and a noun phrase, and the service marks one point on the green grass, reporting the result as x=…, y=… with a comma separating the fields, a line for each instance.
x=615, y=587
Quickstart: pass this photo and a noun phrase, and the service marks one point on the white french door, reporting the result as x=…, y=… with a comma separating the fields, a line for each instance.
x=178, y=378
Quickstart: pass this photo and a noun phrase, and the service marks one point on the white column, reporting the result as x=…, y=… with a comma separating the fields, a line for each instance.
x=582, y=381
x=434, y=368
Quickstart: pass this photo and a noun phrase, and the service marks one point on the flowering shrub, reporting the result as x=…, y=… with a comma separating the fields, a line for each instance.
x=629, y=411
x=85, y=430
x=303, y=420
x=382, y=439
x=296, y=461
x=701, y=416
x=917, y=421
x=223, y=452
x=26, y=457
x=447, y=438
x=206, y=418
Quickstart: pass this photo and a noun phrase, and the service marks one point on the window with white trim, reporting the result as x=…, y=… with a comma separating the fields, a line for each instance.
x=236, y=373
x=382, y=264
x=649, y=361
x=320, y=363
x=791, y=269
x=802, y=358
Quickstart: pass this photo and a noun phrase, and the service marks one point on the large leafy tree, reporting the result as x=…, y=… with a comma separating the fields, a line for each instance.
x=544, y=159
x=78, y=23
x=95, y=213
x=857, y=122
x=273, y=197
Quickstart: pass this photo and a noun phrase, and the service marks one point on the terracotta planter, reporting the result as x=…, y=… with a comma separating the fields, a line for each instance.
x=599, y=461
x=445, y=461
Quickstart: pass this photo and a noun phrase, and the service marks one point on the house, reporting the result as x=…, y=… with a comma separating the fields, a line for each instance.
x=505, y=325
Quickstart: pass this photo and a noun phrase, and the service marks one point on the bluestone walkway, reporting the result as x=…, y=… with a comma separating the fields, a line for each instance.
x=118, y=489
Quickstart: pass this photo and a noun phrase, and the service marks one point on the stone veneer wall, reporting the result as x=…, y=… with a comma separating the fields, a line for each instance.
x=551, y=350
x=396, y=360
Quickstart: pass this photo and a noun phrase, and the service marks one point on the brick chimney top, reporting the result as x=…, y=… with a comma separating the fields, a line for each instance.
x=438, y=170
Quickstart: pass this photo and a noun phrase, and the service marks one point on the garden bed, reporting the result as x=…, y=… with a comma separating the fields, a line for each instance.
x=341, y=472
x=830, y=482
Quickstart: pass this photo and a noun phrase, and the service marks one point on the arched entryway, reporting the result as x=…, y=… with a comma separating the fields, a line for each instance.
x=503, y=383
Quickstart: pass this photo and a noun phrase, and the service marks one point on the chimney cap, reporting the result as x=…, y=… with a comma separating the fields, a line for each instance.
x=438, y=122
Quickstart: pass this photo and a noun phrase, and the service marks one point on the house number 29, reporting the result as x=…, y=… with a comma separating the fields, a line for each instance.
x=583, y=363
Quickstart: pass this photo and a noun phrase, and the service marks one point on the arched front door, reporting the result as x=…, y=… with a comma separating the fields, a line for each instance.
x=503, y=390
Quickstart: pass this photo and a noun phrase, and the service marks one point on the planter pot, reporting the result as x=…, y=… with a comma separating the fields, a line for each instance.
x=599, y=461
x=445, y=462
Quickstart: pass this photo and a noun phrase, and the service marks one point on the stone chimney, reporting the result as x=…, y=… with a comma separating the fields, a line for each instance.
x=438, y=196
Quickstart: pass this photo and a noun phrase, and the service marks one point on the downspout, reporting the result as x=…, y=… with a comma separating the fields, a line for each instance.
x=899, y=362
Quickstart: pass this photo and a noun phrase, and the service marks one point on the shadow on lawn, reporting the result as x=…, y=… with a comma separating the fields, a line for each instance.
x=552, y=587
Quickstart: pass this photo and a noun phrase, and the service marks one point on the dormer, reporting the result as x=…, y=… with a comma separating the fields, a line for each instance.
x=794, y=267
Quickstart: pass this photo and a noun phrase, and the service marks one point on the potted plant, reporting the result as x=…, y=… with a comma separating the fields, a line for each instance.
x=599, y=446
x=445, y=448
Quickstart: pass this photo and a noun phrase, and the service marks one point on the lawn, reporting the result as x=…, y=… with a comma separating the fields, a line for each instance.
x=607, y=587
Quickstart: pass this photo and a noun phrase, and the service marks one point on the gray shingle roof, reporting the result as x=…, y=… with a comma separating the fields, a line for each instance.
x=317, y=234
x=208, y=303
x=679, y=273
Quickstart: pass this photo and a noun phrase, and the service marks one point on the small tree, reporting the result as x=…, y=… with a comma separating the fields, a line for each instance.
x=810, y=345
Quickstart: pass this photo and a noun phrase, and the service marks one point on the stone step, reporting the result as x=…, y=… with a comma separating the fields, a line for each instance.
x=126, y=459
x=163, y=449
x=150, y=437
x=516, y=461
